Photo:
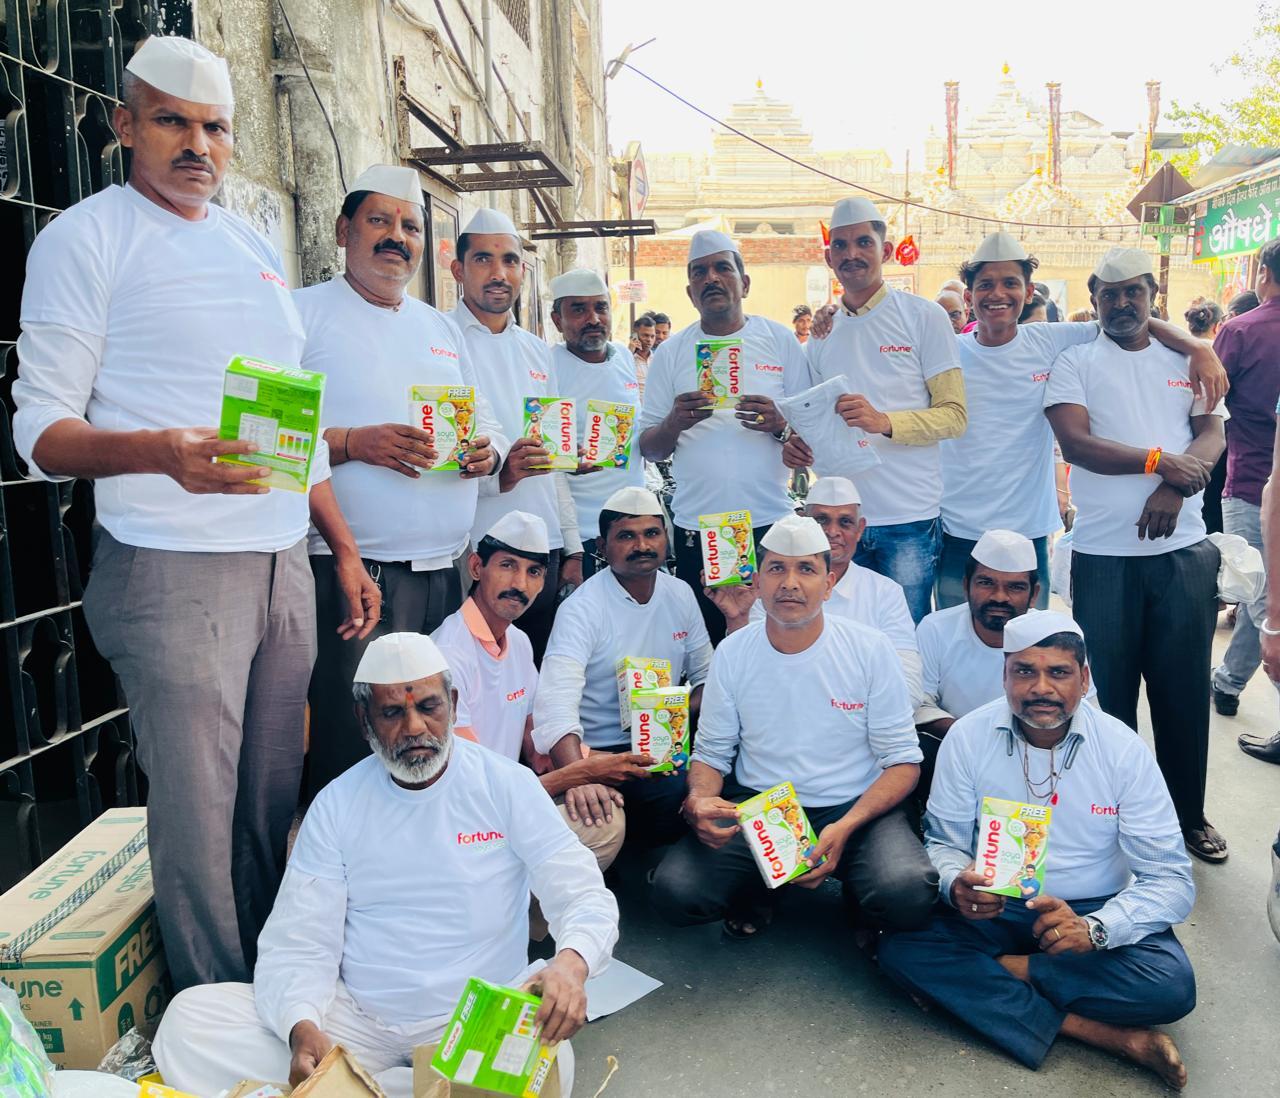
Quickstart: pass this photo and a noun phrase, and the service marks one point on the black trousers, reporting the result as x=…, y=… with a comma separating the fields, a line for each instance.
x=1151, y=619
x=688, y=554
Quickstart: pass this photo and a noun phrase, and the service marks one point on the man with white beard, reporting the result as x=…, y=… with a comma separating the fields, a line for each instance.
x=373, y=938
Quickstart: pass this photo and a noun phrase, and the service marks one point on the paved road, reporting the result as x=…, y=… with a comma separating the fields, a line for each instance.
x=802, y=1013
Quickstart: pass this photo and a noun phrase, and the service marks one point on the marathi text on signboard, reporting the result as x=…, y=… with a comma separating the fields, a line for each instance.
x=1238, y=222
x=632, y=291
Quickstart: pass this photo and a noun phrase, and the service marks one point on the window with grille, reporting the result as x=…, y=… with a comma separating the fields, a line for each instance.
x=517, y=13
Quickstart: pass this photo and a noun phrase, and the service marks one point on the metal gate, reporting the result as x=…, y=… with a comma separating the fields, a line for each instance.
x=66, y=748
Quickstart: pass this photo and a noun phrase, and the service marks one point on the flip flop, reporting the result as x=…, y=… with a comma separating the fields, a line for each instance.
x=1205, y=843
x=758, y=919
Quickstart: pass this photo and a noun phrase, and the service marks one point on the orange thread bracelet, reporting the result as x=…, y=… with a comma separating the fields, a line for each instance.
x=1153, y=459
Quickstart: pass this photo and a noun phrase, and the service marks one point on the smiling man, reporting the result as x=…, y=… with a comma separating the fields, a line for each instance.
x=820, y=702
x=1097, y=960
x=199, y=594
x=373, y=341
x=411, y=874
x=727, y=459
x=1143, y=573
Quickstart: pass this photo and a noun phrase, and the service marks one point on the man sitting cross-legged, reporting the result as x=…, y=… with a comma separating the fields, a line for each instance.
x=1093, y=957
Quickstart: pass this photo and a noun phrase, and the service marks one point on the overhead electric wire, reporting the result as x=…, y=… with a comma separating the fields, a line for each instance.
x=897, y=200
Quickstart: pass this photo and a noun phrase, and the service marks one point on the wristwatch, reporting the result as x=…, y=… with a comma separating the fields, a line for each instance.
x=786, y=433
x=1097, y=932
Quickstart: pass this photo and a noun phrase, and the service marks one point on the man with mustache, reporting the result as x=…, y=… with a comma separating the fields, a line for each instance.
x=411, y=874
x=1000, y=474
x=630, y=608
x=511, y=363
x=821, y=702
x=199, y=594
x=373, y=341
x=898, y=354
x=1143, y=573
x=729, y=459
x=1096, y=960
x=493, y=672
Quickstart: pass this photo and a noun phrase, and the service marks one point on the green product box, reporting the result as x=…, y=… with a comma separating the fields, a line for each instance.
x=277, y=408
x=448, y=414
x=728, y=548
x=660, y=726
x=778, y=833
x=1012, y=841
x=639, y=673
x=553, y=422
x=719, y=364
x=492, y=1042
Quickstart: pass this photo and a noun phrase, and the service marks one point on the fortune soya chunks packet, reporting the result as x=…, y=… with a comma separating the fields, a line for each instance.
x=778, y=833
x=448, y=413
x=660, y=726
x=719, y=364
x=1012, y=840
x=607, y=438
x=728, y=548
x=552, y=421
x=639, y=673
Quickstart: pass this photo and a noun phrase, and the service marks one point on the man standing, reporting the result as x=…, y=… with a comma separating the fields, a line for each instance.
x=661, y=328
x=643, y=342
x=1000, y=474
x=898, y=352
x=1097, y=960
x=1249, y=347
x=373, y=342
x=1143, y=574
x=200, y=594
x=630, y=608
x=411, y=874
x=727, y=459
x=588, y=366
x=802, y=321
x=510, y=364
x=839, y=730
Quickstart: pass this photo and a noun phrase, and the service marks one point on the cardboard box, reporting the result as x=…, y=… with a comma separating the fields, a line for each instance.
x=429, y=1083
x=660, y=726
x=553, y=422
x=277, y=408
x=80, y=945
x=493, y=1043
x=338, y=1075
x=448, y=413
x=719, y=363
x=638, y=673
x=1012, y=841
x=778, y=833
x=607, y=438
x=728, y=548
x=152, y=1088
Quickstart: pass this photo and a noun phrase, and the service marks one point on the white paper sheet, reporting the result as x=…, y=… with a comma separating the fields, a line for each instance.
x=616, y=987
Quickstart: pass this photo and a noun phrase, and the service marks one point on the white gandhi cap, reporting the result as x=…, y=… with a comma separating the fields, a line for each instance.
x=854, y=211
x=999, y=247
x=183, y=68
x=1005, y=551
x=489, y=222
x=1122, y=264
x=633, y=501
x=579, y=283
x=833, y=492
x=400, y=657
x=707, y=242
x=794, y=536
x=1031, y=628
x=521, y=530
x=392, y=180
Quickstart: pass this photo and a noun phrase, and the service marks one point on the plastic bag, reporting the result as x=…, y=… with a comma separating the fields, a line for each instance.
x=838, y=449
x=25, y=1070
x=130, y=1057
x=1060, y=568
x=1242, y=575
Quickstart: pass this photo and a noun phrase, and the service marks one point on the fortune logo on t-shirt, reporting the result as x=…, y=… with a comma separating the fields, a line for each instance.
x=895, y=348
x=847, y=706
x=271, y=276
x=1179, y=383
x=516, y=695
x=488, y=839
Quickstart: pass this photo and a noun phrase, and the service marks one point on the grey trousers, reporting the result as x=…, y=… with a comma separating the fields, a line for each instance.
x=1152, y=619
x=885, y=873
x=412, y=602
x=214, y=651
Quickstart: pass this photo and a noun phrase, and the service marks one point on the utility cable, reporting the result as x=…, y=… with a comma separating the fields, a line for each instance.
x=342, y=175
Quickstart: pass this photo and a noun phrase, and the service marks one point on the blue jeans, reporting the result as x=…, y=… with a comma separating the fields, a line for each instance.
x=906, y=552
x=1244, y=653
x=949, y=589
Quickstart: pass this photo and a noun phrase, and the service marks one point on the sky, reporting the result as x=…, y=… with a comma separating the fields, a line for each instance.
x=872, y=77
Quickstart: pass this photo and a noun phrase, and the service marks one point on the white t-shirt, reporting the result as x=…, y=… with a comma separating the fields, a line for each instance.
x=613, y=380
x=1140, y=398
x=170, y=302
x=958, y=670
x=718, y=464
x=999, y=475
x=1112, y=785
x=495, y=693
x=437, y=878
x=510, y=366
x=888, y=355
x=371, y=357
x=600, y=623
x=870, y=599
x=842, y=717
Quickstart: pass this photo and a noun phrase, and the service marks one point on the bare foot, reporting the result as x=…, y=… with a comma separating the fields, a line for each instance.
x=1157, y=1051
x=1016, y=966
